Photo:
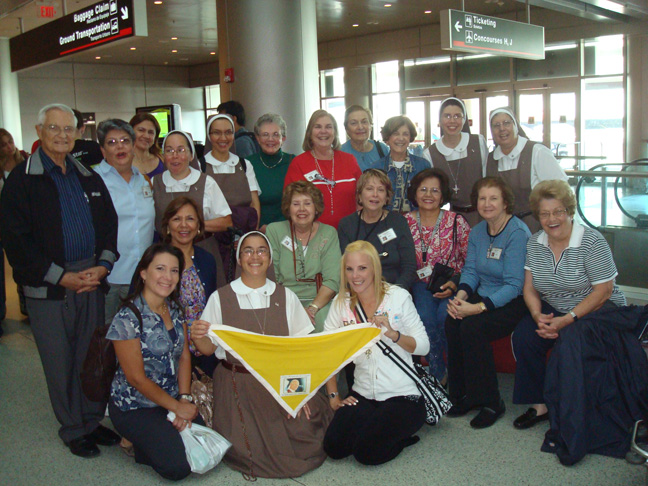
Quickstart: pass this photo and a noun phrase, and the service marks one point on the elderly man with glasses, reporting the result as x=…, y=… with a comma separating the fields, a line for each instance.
x=59, y=229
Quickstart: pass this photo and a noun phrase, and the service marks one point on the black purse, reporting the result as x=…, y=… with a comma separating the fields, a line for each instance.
x=441, y=273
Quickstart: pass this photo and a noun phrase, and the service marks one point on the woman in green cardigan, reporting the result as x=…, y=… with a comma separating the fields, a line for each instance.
x=270, y=166
x=306, y=253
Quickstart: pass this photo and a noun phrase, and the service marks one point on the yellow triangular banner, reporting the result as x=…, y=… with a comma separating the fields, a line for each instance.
x=292, y=368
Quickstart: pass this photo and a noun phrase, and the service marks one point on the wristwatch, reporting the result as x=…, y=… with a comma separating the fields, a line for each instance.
x=185, y=396
x=482, y=306
x=573, y=314
x=333, y=395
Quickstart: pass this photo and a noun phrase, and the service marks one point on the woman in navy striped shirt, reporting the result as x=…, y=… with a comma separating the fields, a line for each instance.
x=569, y=273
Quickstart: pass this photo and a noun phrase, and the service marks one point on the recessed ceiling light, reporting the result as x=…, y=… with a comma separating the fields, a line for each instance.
x=212, y=53
x=174, y=38
x=428, y=11
x=388, y=5
x=354, y=25
x=97, y=57
x=158, y=2
x=174, y=50
x=133, y=48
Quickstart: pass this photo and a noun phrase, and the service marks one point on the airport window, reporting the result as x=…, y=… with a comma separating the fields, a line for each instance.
x=332, y=93
x=482, y=68
x=560, y=61
x=603, y=56
x=386, y=98
x=427, y=73
x=602, y=113
x=212, y=99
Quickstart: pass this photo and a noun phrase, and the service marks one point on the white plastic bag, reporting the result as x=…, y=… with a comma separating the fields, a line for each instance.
x=204, y=447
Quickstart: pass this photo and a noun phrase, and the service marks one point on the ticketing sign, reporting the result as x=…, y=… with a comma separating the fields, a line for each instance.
x=469, y=32
x=95, y=25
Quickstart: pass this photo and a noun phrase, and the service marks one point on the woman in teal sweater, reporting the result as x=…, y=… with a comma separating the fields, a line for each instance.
x=306, y=253
x=270, y=166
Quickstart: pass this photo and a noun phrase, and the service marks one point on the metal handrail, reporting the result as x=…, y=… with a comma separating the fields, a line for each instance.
x=590, y=175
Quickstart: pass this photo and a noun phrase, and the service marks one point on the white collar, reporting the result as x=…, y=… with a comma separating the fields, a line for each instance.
x=575, y=239
x=519, y=146
x=462, y=146
x=241, y=289
x=232, y=161
x=190, y=180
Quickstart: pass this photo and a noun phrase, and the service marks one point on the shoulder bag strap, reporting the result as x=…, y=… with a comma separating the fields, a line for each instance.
x=137, y=313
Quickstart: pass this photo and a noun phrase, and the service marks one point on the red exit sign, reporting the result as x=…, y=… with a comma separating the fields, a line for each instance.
x=46, y=11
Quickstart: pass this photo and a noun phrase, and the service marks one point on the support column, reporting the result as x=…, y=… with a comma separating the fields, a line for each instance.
x=9, y=100
x=272, y=47
x=357, y=81
x=637, y=98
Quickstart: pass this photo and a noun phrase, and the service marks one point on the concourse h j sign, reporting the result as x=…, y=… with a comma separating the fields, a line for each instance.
x=92, y=26
x=469, y=32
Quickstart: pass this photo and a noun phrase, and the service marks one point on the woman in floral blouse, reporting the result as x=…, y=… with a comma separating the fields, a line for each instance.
x=440, y=236
x=182, y=225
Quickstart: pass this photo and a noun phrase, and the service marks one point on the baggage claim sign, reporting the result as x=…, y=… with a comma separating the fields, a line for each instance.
x=469, y=32
x=93, y=26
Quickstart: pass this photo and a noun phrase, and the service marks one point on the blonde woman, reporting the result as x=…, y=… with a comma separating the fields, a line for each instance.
x=384, y=409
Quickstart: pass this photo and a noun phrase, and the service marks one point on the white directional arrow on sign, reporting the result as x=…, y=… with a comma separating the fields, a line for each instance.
x=124, y=11
x=458, y=26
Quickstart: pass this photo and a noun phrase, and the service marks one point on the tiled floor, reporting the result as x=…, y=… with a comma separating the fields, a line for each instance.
x=449, y=454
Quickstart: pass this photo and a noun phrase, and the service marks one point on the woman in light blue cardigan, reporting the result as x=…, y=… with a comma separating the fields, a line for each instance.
x=488, y=304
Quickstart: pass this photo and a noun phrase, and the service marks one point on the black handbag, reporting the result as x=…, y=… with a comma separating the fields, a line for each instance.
x=441, y=272
x=436, y=398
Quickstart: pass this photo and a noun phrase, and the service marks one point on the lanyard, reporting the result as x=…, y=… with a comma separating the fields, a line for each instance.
x=424, y=246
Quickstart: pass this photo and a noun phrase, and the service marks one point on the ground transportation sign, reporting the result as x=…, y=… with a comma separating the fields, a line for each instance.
x=469, y=32
x=95, y=25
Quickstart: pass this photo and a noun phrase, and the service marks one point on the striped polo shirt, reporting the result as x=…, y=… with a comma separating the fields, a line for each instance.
x=587, y=261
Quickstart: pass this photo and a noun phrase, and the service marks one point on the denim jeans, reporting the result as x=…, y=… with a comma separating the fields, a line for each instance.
x=433, y=313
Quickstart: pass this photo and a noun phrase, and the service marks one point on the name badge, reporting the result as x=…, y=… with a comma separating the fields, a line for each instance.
x=311, y=176
x=287, y=242
x=424, y=272
x=386, y=236
x=147, y=191
x=494, y=253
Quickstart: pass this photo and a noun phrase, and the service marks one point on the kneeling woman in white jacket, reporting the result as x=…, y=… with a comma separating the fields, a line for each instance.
x=384, y=408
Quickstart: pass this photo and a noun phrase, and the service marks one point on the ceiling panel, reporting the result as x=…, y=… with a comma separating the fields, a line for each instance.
x=193, y=22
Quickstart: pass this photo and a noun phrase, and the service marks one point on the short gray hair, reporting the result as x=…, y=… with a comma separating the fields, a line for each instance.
x=114, y=124
x=42, y=114
x=271, y=118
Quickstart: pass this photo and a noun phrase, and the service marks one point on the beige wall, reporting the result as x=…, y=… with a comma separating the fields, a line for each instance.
x=109, y=90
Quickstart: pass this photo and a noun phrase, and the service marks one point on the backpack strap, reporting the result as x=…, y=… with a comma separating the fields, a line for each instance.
x=241, y=161
x=381, y=152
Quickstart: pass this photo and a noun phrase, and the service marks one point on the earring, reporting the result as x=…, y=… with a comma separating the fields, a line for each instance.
x=168, y=231
x=198, y=231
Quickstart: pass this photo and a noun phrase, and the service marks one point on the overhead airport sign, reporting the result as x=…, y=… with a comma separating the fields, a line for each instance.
x=95, y=25
x=469, y=32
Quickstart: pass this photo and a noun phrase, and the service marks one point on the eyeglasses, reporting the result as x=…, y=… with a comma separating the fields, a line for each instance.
x=112, y=142
x=556, y=213
x=171, y=151
x=364, y=123
x=455, y=117
x=432, y=190
x=56, y=130
x=270, y=136
x=248, y=252
x=219, y=133
x=504, y=124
